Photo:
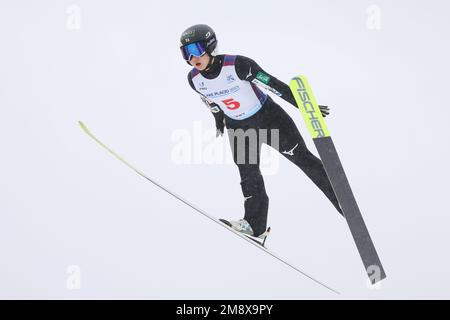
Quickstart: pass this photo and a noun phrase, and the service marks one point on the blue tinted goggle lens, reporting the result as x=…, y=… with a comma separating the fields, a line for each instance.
x=194, y=49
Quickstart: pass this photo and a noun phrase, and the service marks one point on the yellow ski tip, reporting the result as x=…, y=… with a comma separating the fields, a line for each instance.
x=309, y=109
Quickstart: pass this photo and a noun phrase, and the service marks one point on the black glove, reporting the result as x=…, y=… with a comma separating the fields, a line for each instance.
x=220, y=126
x=325, y=110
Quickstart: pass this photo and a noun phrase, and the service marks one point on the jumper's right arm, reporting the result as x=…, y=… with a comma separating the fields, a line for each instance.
x=213, y=107
x=217, y=113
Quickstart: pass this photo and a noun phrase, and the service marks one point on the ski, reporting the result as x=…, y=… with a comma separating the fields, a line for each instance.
x=204, y=213
x=333, y=167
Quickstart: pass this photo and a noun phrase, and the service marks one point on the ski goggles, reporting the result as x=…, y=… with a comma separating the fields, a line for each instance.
x=194, y=49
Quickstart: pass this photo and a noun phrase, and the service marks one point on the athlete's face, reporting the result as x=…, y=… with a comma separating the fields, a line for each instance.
x=200, y=63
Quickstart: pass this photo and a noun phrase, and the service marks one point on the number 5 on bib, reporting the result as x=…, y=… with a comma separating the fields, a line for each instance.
x=231, y=104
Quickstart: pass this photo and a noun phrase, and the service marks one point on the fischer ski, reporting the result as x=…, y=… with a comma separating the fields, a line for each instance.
x=333, y=167
x=249, y=239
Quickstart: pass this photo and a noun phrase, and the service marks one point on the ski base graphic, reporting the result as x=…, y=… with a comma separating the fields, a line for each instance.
x=317, y=128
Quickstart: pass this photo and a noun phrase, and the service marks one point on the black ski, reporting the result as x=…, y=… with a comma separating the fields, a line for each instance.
x=333, y=167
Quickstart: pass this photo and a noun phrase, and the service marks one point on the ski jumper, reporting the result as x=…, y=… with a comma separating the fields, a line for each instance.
x=231, y=90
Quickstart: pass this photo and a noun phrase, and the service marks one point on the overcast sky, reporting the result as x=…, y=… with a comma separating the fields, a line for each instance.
x=76, y=223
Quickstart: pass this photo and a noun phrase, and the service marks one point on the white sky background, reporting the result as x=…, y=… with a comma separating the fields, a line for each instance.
x=64, y=201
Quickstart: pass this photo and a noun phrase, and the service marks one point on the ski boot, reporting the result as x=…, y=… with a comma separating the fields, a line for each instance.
x=244, y=227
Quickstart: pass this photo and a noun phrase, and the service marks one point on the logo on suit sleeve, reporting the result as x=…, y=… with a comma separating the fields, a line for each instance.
x=264, y=78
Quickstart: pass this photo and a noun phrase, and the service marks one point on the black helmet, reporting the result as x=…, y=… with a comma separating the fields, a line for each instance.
x=200, y=33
